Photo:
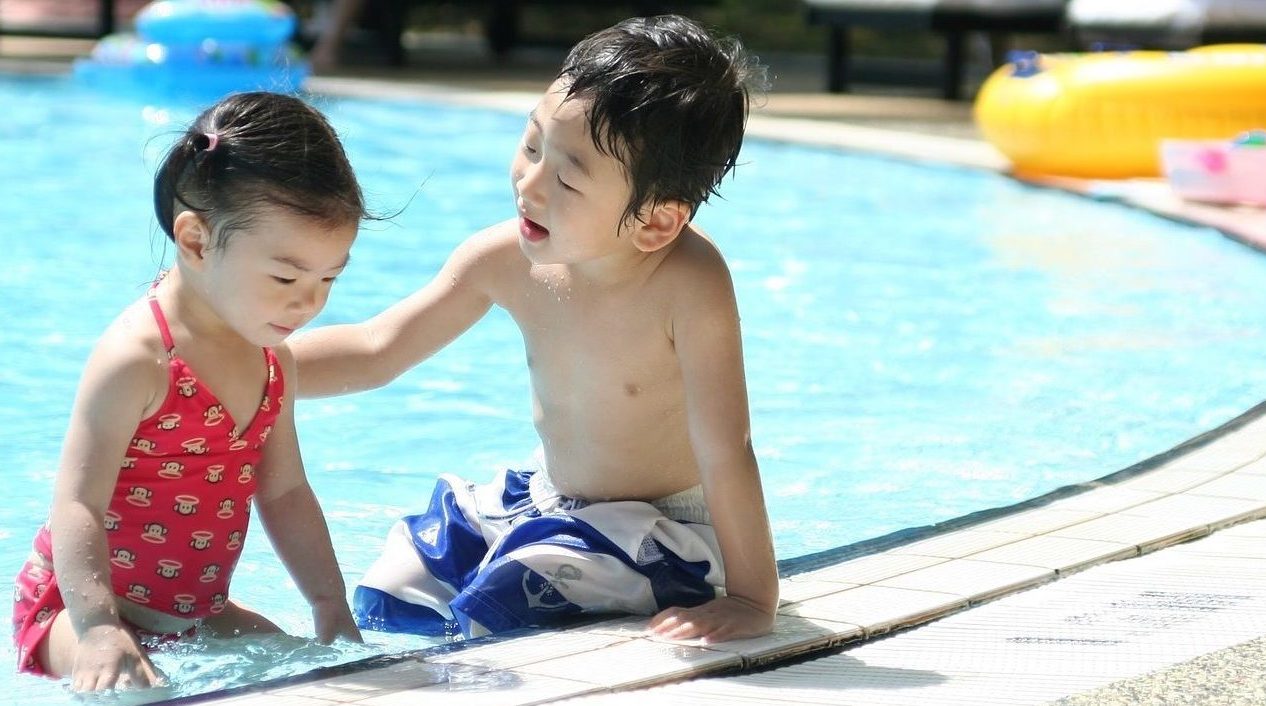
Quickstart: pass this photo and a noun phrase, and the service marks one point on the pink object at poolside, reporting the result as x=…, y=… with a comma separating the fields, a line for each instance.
x=1216, y=171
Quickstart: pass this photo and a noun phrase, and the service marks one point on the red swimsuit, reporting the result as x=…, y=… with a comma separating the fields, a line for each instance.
x=179, y=513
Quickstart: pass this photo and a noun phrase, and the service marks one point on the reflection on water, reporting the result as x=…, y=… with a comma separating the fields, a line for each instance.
x=200, y=664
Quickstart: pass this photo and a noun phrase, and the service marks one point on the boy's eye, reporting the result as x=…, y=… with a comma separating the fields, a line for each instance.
x=284, y=280
x=566, y=186
x=528, y=149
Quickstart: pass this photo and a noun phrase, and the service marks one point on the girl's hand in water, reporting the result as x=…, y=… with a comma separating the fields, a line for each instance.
x=333, y=620
x=109, y=657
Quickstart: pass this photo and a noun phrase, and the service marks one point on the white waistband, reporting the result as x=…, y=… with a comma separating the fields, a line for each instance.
x=688, y=505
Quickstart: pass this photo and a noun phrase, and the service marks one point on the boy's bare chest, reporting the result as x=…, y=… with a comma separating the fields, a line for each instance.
x=597, y=346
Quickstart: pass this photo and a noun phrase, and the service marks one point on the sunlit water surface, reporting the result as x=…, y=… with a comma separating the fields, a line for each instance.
x=921, y=342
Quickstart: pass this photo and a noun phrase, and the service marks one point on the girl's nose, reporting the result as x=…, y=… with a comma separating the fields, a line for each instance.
x=307, y=299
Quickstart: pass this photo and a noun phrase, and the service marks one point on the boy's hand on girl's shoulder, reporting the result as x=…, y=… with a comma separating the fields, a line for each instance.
x=332, y=621
x=725, y=618
x=109, y=657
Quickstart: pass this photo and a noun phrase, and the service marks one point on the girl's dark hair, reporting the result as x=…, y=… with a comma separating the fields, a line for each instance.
x=669, y=101
x=251, y=150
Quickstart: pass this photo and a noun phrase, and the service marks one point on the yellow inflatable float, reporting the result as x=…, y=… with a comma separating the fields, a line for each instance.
x=1104, y=115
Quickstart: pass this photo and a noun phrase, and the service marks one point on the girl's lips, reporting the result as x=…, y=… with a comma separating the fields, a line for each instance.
x=531, y=231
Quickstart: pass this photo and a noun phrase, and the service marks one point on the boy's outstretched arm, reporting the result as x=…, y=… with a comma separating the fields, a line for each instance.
x=709, y=347
x=346, y=358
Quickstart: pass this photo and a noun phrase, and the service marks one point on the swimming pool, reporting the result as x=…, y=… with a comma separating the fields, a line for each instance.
x=922, y=342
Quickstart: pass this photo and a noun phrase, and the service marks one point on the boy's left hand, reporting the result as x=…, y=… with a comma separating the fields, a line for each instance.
x=718, y=620
x=333, y=620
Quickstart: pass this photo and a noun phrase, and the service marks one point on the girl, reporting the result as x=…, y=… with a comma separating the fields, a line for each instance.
x=182, y=417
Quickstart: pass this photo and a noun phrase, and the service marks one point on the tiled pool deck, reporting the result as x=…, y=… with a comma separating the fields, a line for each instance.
x=980, y=612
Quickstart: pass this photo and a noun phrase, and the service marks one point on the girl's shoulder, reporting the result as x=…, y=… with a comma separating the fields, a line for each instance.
x=131, y=351
x=134, y=334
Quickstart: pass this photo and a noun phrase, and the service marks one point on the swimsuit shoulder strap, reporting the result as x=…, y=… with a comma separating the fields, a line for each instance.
x=161, y=320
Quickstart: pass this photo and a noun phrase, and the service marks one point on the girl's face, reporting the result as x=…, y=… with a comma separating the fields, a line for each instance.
x=274, y=276
x=569, y=195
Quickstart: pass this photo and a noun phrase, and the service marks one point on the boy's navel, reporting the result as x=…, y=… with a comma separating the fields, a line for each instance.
x=632, y=389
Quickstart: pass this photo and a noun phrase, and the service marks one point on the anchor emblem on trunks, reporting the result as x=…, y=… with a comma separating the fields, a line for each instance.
x=549, y=597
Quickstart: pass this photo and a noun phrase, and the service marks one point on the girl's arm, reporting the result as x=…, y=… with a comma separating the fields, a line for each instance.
x=708, y=342
x=292, y=517
x=346, y=358
x=121, y=380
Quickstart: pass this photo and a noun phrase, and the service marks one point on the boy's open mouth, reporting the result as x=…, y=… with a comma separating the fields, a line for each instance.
x=531, y=230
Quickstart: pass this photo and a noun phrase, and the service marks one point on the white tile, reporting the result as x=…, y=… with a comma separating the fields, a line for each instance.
x=1146, y=532
x=267, y=698
x=1170, y=480
x=959, y=543
x=879, y=609
x=1221, y=456
x=1255, y=528
x=792, y=635
x=517, y=652
x=1235, y=485
x=793, y=589
x=974, y=580
x=635, y=663
x=358, y=685
x=1059, y=553
x=485, y=689
x=1105, y=499
x=1037, y=520
x=1199, y=508
x=1244, y=547
x=1256, y=468
x=871, y=568
x=627, y=626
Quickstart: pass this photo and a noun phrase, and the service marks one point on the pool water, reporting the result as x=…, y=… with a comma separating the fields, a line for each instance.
x=922, y=342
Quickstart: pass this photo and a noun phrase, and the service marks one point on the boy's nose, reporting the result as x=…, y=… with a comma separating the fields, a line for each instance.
x=527, y=183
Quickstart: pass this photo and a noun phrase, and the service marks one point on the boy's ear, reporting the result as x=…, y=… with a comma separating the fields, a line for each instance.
x=661, y=225
x=193, y=237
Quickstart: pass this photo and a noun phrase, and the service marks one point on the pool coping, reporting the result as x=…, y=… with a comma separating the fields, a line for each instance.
x=859, y=591
x=1213, y=481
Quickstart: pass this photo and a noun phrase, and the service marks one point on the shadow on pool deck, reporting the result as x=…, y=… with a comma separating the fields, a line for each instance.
x=833, y=609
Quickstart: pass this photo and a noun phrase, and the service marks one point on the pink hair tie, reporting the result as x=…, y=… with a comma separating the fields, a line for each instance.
x=212, y=140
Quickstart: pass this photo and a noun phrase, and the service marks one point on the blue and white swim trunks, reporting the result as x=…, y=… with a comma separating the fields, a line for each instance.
x=514, y=553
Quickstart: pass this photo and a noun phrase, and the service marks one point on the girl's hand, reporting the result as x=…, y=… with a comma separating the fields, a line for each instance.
x=333, y=620
x=109, y=657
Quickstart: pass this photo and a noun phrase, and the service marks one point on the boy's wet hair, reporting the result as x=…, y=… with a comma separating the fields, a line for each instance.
x=669, y=101
x=252, y=150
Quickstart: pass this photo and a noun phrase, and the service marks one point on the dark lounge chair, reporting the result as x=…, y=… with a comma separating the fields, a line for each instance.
x=1167, y=24
x=104, y=24
x=953, y=19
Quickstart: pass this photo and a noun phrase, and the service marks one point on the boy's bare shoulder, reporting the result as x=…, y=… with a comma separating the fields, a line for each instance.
x=488, y=259
x=496, y=245
x=497, y=238
x=696, y=262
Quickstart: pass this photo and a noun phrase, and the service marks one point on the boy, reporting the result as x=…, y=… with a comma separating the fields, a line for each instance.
x=647, y=498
